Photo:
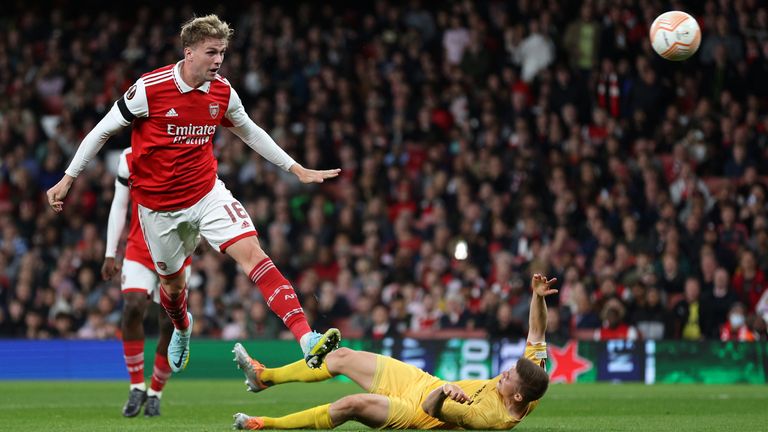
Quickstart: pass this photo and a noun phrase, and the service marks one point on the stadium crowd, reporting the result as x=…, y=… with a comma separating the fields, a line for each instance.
x=480, y=142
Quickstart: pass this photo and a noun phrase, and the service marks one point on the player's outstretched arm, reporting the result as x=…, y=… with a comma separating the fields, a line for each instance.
x=260, y=141
x=537, y=317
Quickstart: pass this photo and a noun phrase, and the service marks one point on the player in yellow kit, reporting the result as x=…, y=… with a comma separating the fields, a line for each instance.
x=401, y=396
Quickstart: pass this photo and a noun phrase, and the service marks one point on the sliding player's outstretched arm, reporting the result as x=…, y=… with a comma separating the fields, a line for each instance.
x=537, y=318
x=260, y=141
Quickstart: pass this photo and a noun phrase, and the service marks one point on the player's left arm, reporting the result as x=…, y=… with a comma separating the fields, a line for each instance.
x=448, y=403
x=118, y=213
x=433, y=403
x=237, y=121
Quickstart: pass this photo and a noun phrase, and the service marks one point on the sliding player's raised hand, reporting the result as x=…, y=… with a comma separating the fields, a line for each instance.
x=541, y=286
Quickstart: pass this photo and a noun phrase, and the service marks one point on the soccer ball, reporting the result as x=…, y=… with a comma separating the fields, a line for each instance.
x=675, y=35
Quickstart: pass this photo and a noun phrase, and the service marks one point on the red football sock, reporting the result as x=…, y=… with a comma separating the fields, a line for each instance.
x=133, y=352
x=176, y=307
x=280, y=297
x=160, y=373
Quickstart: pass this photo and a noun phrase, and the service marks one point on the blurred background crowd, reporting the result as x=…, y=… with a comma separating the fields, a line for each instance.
x=480, y=142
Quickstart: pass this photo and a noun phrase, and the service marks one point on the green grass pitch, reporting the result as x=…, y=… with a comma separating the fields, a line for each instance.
x=198, y=405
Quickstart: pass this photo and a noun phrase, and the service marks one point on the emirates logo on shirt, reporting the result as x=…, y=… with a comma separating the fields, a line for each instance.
x=213, y=109
x=191, y=134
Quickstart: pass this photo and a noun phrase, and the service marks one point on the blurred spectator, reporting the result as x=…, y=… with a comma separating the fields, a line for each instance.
x=716, y=304
x=62, y=326
x=651, y=317
x=736, y=329
x=425, y=315
x=381, y=325
x=331, y=306
x=456, y=315
x=748, y=281
x=534, y=53
x=687, y=313
x=236, y=327
x=557, y=328
x=261, y=324
x=582, y=40
x=503, y=324
x=613, y=325
x=96, y=327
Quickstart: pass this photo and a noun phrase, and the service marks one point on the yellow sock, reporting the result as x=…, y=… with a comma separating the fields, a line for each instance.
x=314, y=418
x=297, y=371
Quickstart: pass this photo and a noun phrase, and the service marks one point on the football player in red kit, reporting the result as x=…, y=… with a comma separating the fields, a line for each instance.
x=175, y=111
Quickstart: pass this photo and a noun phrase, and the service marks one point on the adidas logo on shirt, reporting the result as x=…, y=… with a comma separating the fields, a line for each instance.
x=171, y=113
x=245, y=225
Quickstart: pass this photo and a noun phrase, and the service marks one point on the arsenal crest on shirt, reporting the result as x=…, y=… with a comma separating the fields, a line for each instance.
x=213, y=109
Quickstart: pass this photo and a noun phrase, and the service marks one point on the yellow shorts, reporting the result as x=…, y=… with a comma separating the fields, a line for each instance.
x=406, y=387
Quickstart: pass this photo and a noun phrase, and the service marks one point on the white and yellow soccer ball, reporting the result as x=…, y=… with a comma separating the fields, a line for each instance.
x=675, y=35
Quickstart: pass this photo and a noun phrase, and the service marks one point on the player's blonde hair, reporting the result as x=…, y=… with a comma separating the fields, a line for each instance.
x=200, y=28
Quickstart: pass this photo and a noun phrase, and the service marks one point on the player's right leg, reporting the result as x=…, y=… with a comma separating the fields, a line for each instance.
x=227, y=227
x=135, y=282
x=369, y=409
x=359, y=366
x=258, y=377
x=171, y=238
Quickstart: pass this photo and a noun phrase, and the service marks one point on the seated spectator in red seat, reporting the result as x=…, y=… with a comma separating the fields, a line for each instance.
x=381, y=325
x=749, y=281
x=614, y=326
x=425, y=315
x=735, y=329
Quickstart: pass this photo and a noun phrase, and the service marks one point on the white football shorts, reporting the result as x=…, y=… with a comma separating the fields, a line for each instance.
x=172, y=236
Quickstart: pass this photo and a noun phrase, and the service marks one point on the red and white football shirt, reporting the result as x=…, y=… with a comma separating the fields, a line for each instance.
x=172, y=140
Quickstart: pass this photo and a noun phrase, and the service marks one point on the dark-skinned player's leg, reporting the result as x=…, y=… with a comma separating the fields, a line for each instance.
x=135, y=304
x=161, y=371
